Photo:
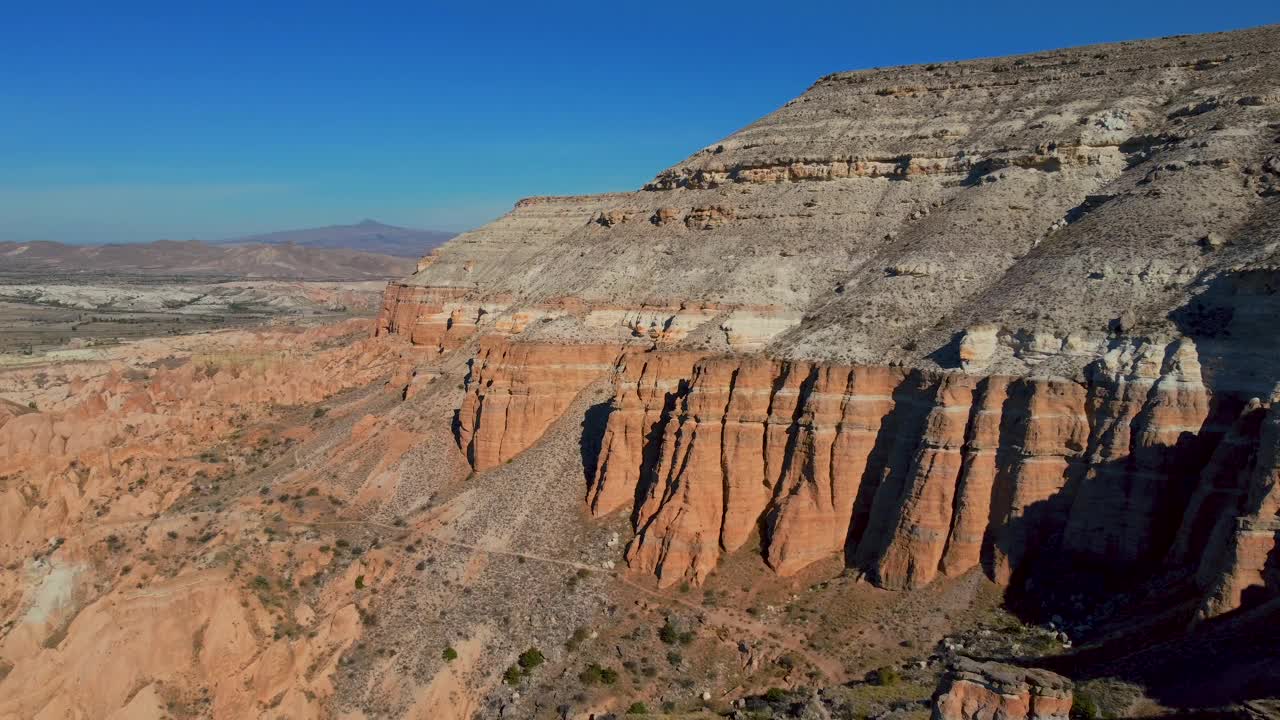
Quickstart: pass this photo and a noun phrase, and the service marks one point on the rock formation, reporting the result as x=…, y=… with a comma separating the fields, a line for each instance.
x=972, y=690
x=972, y=344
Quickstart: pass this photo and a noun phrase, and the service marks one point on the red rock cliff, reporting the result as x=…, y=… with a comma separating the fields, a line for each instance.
x=516, y=390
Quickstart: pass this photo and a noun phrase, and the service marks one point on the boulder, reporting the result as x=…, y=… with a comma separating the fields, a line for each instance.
x=972, y=690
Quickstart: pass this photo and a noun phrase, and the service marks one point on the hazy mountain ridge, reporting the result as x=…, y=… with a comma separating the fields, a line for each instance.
x=367, y=236
x=194, y=257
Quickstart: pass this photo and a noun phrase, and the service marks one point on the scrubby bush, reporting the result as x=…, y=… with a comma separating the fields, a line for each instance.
x=579, y=636
x=449, y=654
x=512, y=675
x=359, y=582
x=594, y=673
x=531, y=658
x=774, y=695
x=668, y=634
x=886, y=676
x=590, y=674
x=638, y=708
x=1085, y=707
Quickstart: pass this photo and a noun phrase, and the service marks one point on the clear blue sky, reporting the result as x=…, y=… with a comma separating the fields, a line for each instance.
x=123, y=121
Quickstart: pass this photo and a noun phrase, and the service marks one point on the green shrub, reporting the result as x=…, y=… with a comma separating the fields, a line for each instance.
x=669, y=634
x=531, y=658
x=638, y=708
x=359, y=582
x=1084, y=706
x=886, y=676
x=579, y=636
x=591, y=674
x=594, y=673
x=449, y=654
x=774, y=695
x=512, y=675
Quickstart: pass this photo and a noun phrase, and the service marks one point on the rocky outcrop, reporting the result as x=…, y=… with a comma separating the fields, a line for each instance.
x=427, y=316
x=647, y=385
x=900, y=167
x=516, y=390
x=912, y=475
x=972, y=690
x=1241, y=563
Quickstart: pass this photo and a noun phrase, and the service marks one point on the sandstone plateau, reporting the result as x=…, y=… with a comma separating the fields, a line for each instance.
x=968, y=360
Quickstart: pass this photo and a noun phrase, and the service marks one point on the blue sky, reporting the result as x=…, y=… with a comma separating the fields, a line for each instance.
x=136, y=121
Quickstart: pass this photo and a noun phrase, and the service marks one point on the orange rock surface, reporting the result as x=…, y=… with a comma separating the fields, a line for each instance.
x=974, y=690
x=516, y=390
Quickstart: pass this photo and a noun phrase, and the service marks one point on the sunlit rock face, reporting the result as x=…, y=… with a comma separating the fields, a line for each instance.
x=881, y=326
x=972, y=690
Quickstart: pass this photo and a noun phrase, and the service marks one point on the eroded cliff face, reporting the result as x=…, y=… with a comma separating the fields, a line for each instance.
x=879, y=325
x=907, y=474
x=516, y=390
x=910, y=474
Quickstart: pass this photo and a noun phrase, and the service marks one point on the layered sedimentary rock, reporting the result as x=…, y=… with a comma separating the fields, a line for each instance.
x=910, y=474
x=998, y=314
x=1241, y=564
x=516, y=390
x=972, y=690
x=647, y=387
x=427, y=316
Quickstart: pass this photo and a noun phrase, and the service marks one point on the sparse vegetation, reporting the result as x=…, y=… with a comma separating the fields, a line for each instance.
x=638, y=708
x=886, y=676
x=530, y=659
x=449, y=654
x=1084, y=706
x=596, y=674
x=579, y=636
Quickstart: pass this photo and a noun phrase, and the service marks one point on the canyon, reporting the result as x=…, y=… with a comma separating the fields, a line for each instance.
x=941, y=391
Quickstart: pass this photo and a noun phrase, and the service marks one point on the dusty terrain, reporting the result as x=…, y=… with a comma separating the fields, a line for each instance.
x=943, y=391
x=75, y=316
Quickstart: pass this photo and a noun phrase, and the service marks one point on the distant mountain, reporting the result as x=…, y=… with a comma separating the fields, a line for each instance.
x=193, y=257
x=366, y=235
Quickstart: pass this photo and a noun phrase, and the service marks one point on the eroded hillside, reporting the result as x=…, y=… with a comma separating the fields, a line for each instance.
x=968, y=360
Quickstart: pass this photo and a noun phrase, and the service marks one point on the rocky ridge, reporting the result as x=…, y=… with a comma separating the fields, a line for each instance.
x=1011, y=314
